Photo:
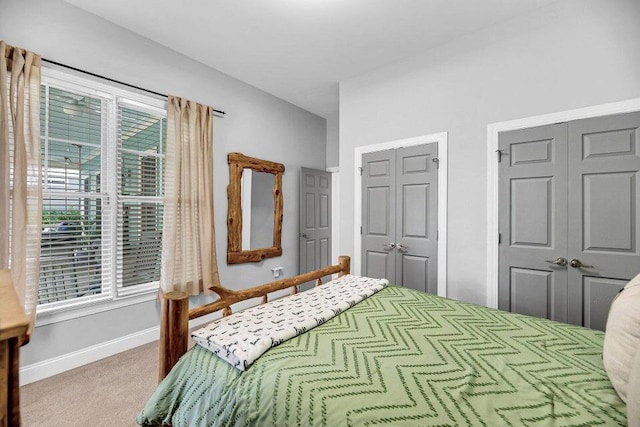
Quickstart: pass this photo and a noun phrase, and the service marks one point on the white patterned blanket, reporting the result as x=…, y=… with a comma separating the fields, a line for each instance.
x=243, y=337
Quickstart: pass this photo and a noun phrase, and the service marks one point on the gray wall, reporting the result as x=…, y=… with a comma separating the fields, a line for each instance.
x=568, y=55
x=257, y=124
x=333, y=139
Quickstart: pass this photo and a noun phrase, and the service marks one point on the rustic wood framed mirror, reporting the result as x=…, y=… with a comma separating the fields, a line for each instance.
x=264, y=171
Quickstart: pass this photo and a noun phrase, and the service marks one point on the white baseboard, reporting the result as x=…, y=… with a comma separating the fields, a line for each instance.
x=48, y=368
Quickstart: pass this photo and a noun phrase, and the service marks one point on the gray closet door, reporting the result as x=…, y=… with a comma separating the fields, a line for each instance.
x=604, y=213
x=378, y=214
x=569, y=192
x=400, y=216
x=315, y=219
x=533, y=221
x=417, y=221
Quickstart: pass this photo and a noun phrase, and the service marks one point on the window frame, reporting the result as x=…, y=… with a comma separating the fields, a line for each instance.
x=113, y=295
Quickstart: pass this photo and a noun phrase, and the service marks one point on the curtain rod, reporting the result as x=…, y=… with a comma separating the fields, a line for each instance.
x=113, y=80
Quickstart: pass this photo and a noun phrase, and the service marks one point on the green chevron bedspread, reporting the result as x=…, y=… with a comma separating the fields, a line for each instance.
x=402, y=358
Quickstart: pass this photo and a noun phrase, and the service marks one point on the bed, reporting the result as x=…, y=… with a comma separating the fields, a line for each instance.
x=399, y=357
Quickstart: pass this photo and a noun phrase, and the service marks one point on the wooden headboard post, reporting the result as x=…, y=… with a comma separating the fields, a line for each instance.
x=175, y=313
x=174, y=329
x=345, y=265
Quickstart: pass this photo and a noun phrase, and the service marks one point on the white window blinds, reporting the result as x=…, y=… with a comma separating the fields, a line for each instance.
x=75, y=250
x=140, y=186
x=103, y=161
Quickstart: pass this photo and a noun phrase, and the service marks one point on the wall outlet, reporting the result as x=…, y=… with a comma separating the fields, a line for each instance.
x=277, y=272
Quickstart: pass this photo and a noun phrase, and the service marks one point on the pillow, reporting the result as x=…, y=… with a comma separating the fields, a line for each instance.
x=243, y=337
x=622, y=337
x=633, y=394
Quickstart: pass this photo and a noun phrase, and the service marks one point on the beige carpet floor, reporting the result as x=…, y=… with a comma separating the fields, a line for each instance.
x=109, y=392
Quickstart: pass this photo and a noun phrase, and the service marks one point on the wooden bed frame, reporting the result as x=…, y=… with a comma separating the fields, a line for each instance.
x=13, y=328
x=175, y=313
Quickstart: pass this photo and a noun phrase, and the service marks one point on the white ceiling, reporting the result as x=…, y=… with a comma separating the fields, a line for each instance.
x=299, y=50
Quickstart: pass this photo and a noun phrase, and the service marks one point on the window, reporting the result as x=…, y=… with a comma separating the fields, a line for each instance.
x=102, y=176
x=140, y=191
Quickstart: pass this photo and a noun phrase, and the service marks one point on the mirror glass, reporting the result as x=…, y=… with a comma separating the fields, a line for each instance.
x=258, y=208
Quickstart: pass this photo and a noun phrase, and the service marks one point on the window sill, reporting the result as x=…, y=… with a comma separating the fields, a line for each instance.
x=91, y=307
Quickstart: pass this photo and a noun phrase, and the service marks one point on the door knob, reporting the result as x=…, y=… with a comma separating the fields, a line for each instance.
x=558, y=261
x=389, y=246
x=304, y=236
x=576, y=263
x=402, y=248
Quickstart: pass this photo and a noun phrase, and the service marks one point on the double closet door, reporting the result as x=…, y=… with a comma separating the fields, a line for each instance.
x=399, y=216
x=569, y=212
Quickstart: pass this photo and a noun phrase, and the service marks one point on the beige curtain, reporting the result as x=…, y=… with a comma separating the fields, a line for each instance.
x=188, y=239
x=20, y=172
